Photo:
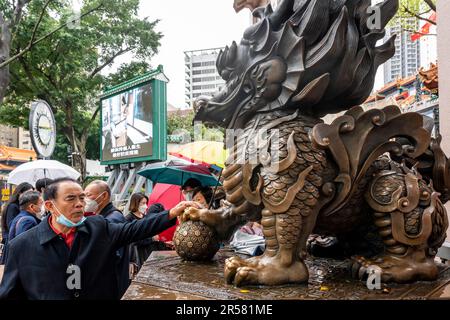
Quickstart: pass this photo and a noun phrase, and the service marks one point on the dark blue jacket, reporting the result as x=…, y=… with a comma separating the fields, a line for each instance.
x=23, y=222
x=39, y=260
x=112, y=214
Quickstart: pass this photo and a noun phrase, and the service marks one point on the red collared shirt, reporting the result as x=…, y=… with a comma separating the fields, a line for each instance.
x=68, y=238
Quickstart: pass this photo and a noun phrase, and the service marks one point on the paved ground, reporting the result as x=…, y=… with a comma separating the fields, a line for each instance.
x=165, y=276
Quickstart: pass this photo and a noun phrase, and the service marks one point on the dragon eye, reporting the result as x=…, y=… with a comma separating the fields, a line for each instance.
x=247, y=87
x=225, y=75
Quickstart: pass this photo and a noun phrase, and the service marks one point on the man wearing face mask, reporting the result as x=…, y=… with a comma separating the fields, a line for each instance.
x=98, y=202
x=32, y=209
x=41, y=184
x=68, y=256
x=188, y=188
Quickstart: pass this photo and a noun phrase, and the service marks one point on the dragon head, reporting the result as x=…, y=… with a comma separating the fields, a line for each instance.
x=315, y=56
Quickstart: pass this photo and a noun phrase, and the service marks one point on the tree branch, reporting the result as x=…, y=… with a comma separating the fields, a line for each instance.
x=94, y=115
x=36, y=26
x=20, y=82
x=18, y=12
x=28, y=48
x=48, y=77
x=425, y=12
x=417, y=16
x=28, y=73
x=2, y=19
x=108, y=61
x=32, y=79
x=417, y=32
x=430, y=4
x=5, y=37
x=85, y=132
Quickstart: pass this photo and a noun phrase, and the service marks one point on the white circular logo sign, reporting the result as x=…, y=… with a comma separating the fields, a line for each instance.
x=42, y=128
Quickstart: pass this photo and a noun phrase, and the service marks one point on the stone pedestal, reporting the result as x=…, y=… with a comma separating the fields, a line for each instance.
x=166, y=277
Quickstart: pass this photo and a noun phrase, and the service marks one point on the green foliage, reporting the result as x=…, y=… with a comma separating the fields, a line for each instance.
x=409, y=13
x=177, y=123
x=63, y=148
x=126, y=72
x=66, y=68
x=212, y=134
x=89, y=179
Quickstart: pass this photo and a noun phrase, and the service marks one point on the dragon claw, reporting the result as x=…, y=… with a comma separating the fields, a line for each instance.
x=245, y=275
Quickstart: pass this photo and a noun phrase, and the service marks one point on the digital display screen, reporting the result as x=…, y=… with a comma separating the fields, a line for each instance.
x=127, y=125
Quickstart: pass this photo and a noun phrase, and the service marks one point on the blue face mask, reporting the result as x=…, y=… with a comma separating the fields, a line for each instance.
x=66, y=222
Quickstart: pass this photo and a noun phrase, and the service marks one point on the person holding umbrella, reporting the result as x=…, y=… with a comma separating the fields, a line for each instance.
x=41, y=184
x=189, y=186
x=188, y=176
x=178, y=173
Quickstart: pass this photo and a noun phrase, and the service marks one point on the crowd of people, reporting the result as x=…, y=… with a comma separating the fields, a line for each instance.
x=61, y=241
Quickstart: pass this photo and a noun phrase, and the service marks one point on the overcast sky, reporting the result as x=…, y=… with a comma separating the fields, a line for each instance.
x=192, y=25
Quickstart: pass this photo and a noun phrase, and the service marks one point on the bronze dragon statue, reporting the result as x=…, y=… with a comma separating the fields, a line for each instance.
x=379, y=170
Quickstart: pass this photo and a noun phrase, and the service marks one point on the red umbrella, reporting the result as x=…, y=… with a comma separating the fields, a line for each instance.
x=169, y=196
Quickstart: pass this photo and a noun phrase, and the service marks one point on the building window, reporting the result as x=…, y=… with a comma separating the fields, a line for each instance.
x=197, y=64
x=208, y=63
x=206, y=71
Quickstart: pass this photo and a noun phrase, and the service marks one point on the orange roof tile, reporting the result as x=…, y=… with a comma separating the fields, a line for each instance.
x=406, y=81
x=388, y=86
x=408, y=101
x=15, y=154
x=374, y=98
x=397, y=83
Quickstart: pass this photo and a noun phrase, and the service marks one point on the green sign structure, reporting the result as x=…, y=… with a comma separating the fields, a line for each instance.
x=134, y=120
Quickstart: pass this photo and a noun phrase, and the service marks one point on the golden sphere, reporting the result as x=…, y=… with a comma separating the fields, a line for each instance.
x=195, y=241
